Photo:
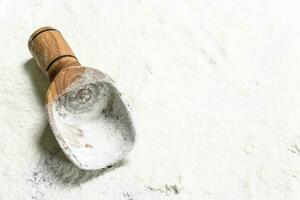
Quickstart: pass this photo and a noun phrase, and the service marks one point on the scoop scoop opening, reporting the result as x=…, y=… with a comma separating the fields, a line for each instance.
x=92, y=124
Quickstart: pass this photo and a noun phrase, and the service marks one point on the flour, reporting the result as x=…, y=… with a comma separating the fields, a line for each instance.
x=92, y=123
x=213, y=88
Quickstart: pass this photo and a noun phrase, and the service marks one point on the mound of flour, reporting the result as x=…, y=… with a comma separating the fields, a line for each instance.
x=92, y=125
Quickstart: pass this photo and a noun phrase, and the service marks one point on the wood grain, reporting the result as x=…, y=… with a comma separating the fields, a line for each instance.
x=51, y=51
x=56, y=59
x=64, y=79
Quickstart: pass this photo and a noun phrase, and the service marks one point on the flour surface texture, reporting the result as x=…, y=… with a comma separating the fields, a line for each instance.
x=213, y=89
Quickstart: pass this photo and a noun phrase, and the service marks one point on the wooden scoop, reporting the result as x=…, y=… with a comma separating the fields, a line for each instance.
x=87, y=114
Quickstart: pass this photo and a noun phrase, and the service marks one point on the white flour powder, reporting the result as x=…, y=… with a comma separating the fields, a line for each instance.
x=214, y=91
x=92, y=123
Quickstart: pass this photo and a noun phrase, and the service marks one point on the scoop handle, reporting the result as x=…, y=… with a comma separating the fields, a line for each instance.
x=51, y=51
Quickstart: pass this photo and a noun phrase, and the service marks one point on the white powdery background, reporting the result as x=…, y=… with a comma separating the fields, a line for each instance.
x=213, y=86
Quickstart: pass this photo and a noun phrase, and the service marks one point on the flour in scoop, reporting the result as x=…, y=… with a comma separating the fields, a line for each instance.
x=93, y=125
